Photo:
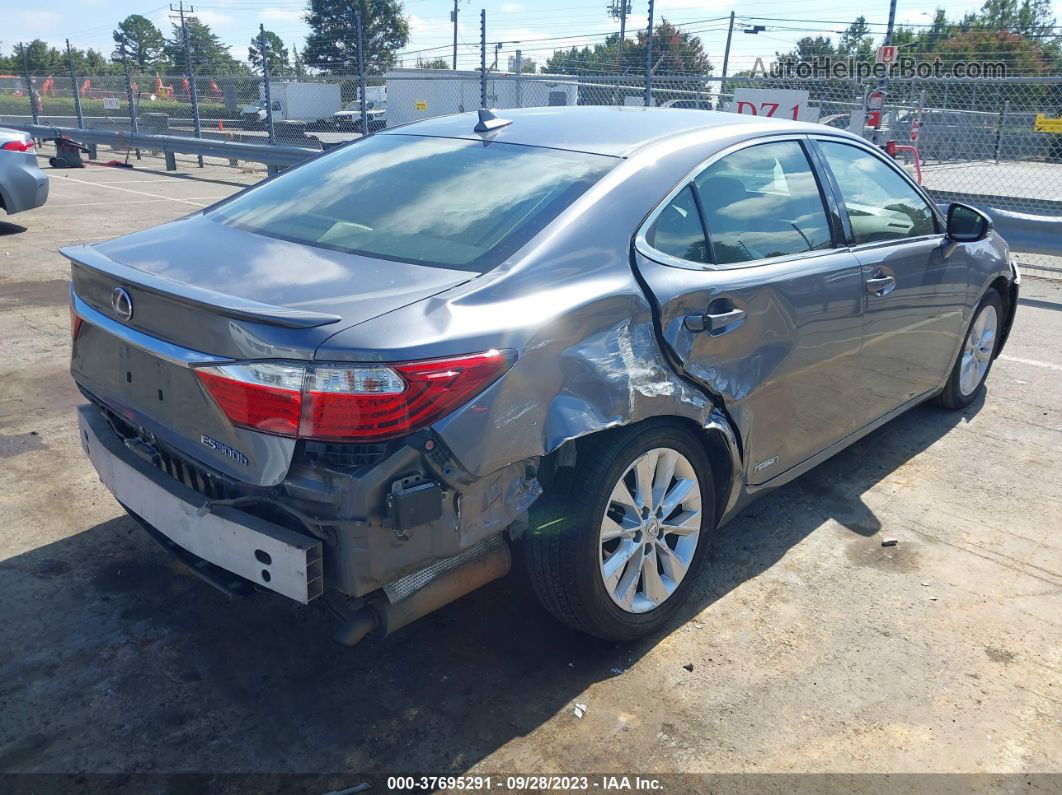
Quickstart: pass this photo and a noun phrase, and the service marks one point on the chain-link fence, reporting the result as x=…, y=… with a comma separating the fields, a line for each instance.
x=994, y=143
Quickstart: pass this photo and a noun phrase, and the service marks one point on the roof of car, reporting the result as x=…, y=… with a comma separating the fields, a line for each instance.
x=601, y=129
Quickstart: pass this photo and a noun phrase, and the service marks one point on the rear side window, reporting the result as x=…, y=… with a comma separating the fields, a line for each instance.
x=678, y=230
x=431, y=201
x=763, y=201
x=881, y=204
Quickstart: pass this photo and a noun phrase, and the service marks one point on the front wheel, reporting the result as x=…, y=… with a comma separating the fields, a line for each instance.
x=617, y=540
x=971, y=368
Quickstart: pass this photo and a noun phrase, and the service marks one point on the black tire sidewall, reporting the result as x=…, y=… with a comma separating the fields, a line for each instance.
x=953, y=395
x=615, y=622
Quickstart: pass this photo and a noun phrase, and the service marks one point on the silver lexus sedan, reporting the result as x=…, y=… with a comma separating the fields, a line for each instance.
x=587, y=336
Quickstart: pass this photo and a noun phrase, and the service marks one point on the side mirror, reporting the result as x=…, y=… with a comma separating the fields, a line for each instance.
x=967, y=224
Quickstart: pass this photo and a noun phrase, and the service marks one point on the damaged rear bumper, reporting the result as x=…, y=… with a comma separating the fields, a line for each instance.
x=259, y=551
x=360, y=530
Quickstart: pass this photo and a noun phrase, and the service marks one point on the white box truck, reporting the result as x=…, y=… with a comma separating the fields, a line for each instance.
x=414, y=94
x=292, y=101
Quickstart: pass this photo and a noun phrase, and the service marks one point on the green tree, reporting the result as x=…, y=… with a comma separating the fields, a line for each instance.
x=143, y=42
x=675, y=52
x=39, y=57
x=278, y=55
x=298, y=68
x=1030, y=18
x=808, y=49
x=209, y=55
x=333, y=42
x=857, y=41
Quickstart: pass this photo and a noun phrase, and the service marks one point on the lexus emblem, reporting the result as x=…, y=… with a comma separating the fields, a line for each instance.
x=122, y=304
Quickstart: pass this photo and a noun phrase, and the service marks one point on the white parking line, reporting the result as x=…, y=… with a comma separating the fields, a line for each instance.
x=1033, y=362
x=130, y=190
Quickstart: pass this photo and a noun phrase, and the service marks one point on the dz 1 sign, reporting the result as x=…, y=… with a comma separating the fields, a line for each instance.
x=780, y=103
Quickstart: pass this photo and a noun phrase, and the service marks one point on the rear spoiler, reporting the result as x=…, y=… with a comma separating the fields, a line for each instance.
x=218, y=303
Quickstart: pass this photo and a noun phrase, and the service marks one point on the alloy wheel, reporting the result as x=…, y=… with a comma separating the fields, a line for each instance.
x=977, y=350
x=650, y=530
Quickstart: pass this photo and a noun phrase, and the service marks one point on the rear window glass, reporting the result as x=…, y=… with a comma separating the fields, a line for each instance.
x=432, y=201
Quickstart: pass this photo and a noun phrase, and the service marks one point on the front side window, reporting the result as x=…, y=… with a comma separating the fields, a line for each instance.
x=431, y=201
x=881, y=204
x=763, y=201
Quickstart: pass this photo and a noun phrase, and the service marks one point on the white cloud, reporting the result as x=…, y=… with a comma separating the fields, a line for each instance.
x=294, y=15
x=212, y=18
x=39, y=20
x=512, y=8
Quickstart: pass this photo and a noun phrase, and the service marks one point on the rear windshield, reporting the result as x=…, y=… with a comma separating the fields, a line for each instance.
x=432, y=201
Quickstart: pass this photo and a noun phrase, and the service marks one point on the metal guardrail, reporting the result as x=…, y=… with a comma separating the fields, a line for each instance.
x=1027, y=230
x=272, y=156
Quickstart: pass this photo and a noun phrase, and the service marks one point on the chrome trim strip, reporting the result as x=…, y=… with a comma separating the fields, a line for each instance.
x=175, y=354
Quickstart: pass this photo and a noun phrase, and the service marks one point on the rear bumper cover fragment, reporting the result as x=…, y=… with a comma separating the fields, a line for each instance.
x=264, y=553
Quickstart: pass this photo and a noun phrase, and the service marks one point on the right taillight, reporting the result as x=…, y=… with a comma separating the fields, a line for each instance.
x=367, y=402
x=18, y=146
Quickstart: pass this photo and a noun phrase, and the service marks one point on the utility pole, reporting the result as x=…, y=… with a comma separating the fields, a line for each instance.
x=29, y=82
x=519, y=69
x=129, y=92
x=726, y=52
x=361, y=72
x=619, y=10
x=497, y=49
x=649, y=59
x=190, y=71
x=453, y=16
x=74, y=86
x=483, y=58
x=263, y=48
x=892, y=21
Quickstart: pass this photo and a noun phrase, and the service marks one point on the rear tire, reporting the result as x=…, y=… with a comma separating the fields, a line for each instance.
x=608, y=554
x=976, y=355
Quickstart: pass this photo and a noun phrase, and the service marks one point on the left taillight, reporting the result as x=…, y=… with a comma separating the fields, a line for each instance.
x=18, y=146
x=75, y=323
x=350, y=402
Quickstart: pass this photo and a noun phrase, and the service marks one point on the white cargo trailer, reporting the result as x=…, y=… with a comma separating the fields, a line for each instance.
x=293, y=101
x=414, y=94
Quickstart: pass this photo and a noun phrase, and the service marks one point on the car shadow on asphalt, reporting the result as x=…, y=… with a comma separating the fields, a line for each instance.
x=8, y=228
x=108, y=635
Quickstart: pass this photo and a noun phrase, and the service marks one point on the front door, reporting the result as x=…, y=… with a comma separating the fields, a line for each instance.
x=915, y=290
x=760, y=301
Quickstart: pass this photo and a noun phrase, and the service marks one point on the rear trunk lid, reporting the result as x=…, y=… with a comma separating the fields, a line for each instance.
x=201, y=290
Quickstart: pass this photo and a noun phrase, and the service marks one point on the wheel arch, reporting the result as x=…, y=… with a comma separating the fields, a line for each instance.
x=720, y=443
x=1008, y=293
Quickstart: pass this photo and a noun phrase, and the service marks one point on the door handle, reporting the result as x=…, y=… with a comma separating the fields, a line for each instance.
x=881, y=285
x=715, y=322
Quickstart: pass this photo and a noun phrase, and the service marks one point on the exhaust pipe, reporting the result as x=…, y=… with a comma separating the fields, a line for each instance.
x=382, y=616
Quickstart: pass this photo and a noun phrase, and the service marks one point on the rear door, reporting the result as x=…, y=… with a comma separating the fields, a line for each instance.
x=915, y=287
x=759, y=300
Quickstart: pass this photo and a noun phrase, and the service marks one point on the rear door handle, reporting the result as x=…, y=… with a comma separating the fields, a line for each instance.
x=715, y=323
x=881, y=285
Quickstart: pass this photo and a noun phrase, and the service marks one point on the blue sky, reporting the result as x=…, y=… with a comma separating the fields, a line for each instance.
x=539, y=25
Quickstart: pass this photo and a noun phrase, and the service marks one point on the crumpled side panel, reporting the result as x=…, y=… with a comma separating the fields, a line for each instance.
x=599, y=366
